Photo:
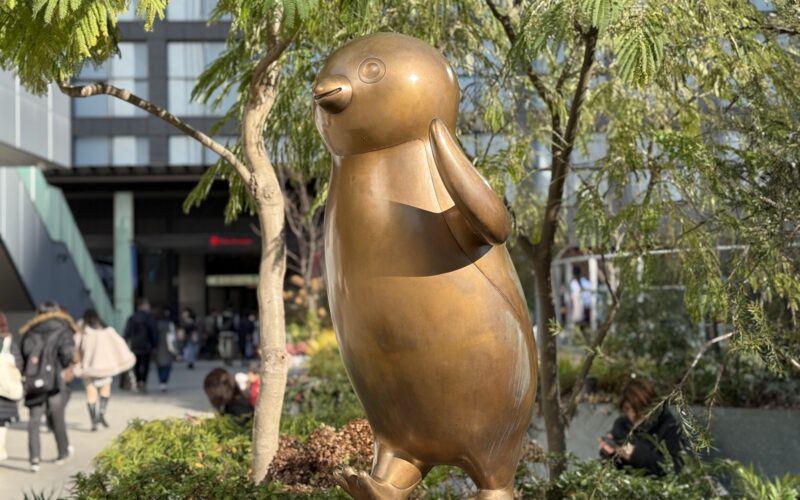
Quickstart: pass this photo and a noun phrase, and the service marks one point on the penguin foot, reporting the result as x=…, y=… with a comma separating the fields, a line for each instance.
x=361, y=486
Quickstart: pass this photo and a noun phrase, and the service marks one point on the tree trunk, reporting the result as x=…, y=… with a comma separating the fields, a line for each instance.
x=266, y=190
x=272, y=329
x=550, y=396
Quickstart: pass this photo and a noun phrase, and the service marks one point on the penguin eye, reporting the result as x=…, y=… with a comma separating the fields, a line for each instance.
x=371, y=70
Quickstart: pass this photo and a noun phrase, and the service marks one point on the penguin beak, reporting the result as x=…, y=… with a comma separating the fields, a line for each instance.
x=333, y=93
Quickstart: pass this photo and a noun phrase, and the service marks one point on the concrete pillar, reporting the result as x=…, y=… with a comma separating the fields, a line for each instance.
x=192, y=283
x=123, y=256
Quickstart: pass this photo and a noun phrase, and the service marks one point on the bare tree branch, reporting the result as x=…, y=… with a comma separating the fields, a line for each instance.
x=563, y=145
x=702, y=351
x=534, y=77
x=100, y=88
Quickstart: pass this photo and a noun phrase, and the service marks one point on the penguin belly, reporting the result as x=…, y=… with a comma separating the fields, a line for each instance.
x=441, y=359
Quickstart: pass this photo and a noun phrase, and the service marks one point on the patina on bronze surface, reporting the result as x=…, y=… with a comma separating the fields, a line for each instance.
x=427, y=307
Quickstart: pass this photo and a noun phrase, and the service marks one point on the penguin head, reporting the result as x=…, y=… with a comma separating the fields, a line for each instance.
x=380, y=91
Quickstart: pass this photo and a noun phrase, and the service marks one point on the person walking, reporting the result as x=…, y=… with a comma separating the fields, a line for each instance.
x=142, y=336
x=210, y=335
x=101, y=353
x=165, y=348
x=245, y=332
x=226, y=325
x=10, y=382
x=192, y=338
x=47, y=348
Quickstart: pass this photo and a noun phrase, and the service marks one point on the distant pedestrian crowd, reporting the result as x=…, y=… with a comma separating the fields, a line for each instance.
x=225, y=335
x=38, y=366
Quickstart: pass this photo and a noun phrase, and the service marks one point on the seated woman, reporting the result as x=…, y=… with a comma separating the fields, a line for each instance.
x=225, y=395
x=636, y=440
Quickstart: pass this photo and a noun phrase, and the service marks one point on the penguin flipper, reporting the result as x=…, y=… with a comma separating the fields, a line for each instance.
x=472, y=195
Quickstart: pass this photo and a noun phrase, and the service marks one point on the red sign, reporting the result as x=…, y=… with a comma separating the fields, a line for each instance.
x=218, y=241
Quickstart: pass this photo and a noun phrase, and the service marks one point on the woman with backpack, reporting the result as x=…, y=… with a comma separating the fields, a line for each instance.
x=101, y=354
x=10, y=382
x=47, y=348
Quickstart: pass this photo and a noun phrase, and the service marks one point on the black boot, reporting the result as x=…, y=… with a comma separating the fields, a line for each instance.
x=93, y=414
x=101, y=416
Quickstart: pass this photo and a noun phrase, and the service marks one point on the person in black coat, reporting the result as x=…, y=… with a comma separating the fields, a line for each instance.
x=141, y=333
x=48, y=336
x=637, y=439
x=8, y=408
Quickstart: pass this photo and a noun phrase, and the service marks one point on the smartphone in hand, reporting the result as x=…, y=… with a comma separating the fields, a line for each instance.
x=607, y=446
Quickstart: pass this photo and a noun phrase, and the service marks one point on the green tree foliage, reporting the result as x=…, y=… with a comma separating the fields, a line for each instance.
x=693, y=108
x=46, y=41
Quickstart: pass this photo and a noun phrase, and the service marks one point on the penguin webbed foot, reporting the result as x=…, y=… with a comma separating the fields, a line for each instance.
x=361, y=486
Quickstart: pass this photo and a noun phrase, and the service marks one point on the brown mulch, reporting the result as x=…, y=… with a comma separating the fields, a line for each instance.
x=304, y=466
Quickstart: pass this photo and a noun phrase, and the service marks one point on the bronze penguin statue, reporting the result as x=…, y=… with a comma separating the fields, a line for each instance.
x=428, y=311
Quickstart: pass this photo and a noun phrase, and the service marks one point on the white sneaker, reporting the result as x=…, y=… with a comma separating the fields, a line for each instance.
x=163, y=387
x=70, y=452
x=35, y=467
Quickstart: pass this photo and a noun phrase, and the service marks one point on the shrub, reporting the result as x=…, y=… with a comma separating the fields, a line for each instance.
x=612, y=376
x=567, y=374
x=210, y=458
x=325, y=361
x=311, y=400
x=751, y=485
x=324, y=395
x=600, y=480
x=175, y=458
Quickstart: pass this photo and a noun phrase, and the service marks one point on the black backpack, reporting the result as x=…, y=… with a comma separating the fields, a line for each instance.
x=138, y=336
x=42, y=367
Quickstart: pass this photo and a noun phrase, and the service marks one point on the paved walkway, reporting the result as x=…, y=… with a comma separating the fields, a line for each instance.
x=185, y=396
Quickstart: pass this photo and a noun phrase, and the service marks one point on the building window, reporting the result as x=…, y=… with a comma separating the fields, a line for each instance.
x=118, y=151
x=128, y=71
x=187, y=151
x=185, y=62
x=190, y=10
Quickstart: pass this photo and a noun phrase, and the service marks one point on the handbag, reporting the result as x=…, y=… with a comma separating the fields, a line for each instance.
x=10, y=377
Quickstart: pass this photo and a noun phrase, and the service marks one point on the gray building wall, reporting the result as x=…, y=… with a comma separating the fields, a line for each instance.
x=34, y=267
x=34, y=130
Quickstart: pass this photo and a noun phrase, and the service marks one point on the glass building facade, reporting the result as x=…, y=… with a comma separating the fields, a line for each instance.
x=162, y=67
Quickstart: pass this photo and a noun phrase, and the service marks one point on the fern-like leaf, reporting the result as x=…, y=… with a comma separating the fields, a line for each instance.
x=38, y=4
x=49, y=9
x=640, y=52
x=149, y=10
x=290, y=15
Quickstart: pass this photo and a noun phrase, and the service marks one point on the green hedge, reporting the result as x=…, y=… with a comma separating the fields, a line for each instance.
x=209, y=459
x=181, y=459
